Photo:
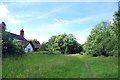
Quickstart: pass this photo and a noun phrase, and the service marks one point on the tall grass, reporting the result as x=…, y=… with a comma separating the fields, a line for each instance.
x=35, y=65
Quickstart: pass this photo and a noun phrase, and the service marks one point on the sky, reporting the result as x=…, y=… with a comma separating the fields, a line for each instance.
x=42, y=20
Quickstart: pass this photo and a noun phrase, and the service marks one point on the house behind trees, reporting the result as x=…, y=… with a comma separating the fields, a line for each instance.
x=29, y=46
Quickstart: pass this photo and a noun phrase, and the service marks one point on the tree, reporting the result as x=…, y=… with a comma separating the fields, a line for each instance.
x=35, y=41
x=116, y=27
x=64, y=43
x=10, y=47
x=44, y=46
x=102, y=40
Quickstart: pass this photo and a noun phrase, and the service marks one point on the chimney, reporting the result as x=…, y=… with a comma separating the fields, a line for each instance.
x=3, y=26
x=22, y=32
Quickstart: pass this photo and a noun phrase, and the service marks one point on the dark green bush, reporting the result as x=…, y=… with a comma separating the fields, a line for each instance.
x=95, y=55
x=10, y=47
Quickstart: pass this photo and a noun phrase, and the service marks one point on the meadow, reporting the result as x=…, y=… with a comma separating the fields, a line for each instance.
x=36, y=65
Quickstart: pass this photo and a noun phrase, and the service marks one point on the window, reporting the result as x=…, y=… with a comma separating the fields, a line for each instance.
x=28, y=49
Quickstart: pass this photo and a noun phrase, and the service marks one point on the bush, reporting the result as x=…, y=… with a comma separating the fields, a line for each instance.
x=18, y=49
x=82, y=53
x=15, y=49
x=95, y=55
x=10, y=48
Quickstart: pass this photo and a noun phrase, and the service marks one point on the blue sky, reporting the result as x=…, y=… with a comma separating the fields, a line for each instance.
x=41, y=20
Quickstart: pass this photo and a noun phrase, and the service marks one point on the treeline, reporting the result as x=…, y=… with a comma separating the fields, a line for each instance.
x=63, y=43
x=104, y=38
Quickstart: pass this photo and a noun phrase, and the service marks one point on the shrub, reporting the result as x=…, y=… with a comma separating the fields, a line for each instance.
x=10, y=47
x=95, y=55
x=82, y=53
x=18, y=49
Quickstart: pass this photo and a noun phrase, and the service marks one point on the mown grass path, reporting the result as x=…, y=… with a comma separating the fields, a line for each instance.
x=88, y=70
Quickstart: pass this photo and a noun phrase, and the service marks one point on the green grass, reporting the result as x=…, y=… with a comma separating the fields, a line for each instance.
x=37, y=65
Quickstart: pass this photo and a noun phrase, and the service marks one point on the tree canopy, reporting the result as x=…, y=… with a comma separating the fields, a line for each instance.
x=102, y=40
x=66, y=44
x=10, y=47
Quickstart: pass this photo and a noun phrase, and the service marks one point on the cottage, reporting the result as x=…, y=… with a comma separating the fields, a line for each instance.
x=29, y=46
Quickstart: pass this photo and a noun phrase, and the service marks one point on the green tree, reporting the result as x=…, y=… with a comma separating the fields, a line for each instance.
x=10, y=48
x=64, y=43
x=43, y=46
x=35, y=41
x=102, y=40
x=116, y=27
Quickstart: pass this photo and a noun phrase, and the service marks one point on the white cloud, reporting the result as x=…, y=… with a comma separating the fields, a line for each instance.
x=80, y=20
x=73, y=21
x=80, y=39
x=82, y=35
x=44, y=32
x=13, y=21
x=4, y=15
x=60, y=26
x=58, y=20
x=7, y=16
x=47, y=14
x=42, y=37
x=48, y=30
x=111, y=21
x=54, y=11
x=51, y=27
x=3, y=11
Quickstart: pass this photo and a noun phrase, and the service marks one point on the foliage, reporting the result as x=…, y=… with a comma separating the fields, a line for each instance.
x=43, y=46
x=35, y=41
x=18, y=48
x=10, y=48
x=116, y=27
x=102, y=40
x=65, y=44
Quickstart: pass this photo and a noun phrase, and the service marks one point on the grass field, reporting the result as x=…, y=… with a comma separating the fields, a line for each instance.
x=37, y=65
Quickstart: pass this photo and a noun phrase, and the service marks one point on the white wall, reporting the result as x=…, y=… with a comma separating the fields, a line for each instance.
x=28, y=48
